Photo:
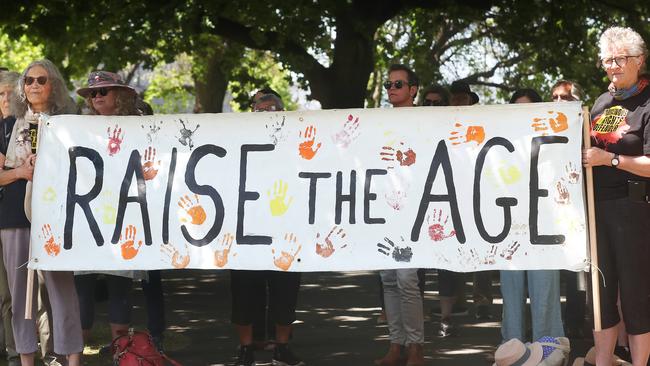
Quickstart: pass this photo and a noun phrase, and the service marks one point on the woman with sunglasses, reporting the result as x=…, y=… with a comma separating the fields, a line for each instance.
x=107, y=95
x=40, y=91
x=620, y=157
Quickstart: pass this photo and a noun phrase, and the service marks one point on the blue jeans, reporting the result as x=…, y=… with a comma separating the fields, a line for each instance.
x=544, y=292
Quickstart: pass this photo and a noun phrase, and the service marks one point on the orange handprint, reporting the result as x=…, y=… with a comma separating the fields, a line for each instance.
x=306, y=148
x=193, y=209
x=52, y=248
x=473, y=133
x=285, y=260
x=223, y=249
x=129, y=250
x=404, y=155
x=178, y=259
x=557, y=123
x=150, y=166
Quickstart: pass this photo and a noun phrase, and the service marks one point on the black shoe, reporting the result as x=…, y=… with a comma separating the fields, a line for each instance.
x=623, y=352
x=483, y=313
x=282, y=356
x=246, y=356
x=447, y=329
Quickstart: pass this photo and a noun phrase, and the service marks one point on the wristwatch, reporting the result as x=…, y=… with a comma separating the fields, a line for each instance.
x=615, y=161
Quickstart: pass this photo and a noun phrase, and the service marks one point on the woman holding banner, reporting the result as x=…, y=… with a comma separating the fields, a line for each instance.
x=40, y=90
x=620, y=157
x=107, y=95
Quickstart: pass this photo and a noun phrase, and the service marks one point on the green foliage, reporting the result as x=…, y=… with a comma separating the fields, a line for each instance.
x=171, y=89
x=16, y=54
x=258, y=69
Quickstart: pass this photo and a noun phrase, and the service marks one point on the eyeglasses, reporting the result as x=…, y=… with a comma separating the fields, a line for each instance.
x=29, y=80
x=434, y=103
x=268, y=108
x=620, y=61
x=562, y=97
x=398, y=84
x=101, y=91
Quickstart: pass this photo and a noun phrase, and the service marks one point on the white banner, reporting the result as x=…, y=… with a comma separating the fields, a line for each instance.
x=460, y=188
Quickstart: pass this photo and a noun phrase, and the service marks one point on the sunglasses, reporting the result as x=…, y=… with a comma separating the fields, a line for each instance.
x=101, y=91
x=435, y=103
x=29, y=80
x=398, y=84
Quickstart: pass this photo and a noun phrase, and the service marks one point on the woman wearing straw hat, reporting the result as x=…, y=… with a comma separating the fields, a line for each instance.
x=620, y=131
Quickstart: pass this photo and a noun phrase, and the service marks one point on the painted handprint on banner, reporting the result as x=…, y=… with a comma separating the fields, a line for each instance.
x=223, y=250
x=128, y=246
x=49, y=195
x=115, y=139
x=562, y=193
x=462, y=135
x=333, y=241
x=149, y=164
x=490, y=257
x=396, y=199
x=276, y=131
x=278, y=202
x=469, y=258
x=572, y=173
x=438, y=227
x=557, y=122
x=519, y=229
x=52, y=247
x=349, y=133
x=286, y=258
x=107, y=208
x=193, y=209
x=306, y=148
x=178, y=259
x=400, y=253
x=508, y=252
x=152, y=131
x=402, y=155
x=186, y=135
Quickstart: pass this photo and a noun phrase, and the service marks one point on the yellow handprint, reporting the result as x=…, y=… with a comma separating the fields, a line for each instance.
x=277, y=199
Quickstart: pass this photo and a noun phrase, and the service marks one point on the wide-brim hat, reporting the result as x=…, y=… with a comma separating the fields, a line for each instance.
x=103, y=79
x=515, y=352
x=590, y=359
x=458, y=87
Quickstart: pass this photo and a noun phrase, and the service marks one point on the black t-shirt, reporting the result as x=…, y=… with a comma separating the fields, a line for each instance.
x=12, y=203
x=621, y=127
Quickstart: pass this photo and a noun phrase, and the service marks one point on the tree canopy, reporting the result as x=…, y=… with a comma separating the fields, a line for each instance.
x=338, y=49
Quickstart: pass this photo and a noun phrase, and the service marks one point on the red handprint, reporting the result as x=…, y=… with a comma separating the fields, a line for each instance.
x=114, y=140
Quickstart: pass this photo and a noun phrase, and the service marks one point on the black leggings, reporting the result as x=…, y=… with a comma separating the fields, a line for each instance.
x=119, y=298
x=623, y=231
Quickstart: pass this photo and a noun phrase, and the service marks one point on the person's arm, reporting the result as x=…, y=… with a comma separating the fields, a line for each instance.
x=25, y=171
x=638, y=165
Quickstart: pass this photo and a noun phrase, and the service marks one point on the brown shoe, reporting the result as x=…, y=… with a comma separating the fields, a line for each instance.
x=415, y=355
x=393, y=357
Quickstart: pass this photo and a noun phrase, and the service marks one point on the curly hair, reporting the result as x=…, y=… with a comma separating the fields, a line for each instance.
x=59, y=101
x=125, y=103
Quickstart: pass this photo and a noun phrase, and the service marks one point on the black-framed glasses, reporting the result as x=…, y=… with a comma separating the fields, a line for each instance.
x=620, y=61
x=29, y=80
x=433, y=103
x=397, y=83
x=101, y=91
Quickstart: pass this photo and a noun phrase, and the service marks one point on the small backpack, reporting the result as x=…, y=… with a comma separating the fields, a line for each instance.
x=137, y=349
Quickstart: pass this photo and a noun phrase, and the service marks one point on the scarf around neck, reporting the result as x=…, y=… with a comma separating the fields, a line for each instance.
x=622, y=94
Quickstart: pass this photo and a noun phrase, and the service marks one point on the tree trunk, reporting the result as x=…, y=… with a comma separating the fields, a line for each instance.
x=210, y=86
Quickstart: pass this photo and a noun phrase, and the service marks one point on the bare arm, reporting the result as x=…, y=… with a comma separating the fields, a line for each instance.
x=24, y=171
x=638, y=165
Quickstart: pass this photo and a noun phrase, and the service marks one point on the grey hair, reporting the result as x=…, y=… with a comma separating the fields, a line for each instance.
x=59, y=101
x=620, y=37
x=274, y=98
x=9, y=78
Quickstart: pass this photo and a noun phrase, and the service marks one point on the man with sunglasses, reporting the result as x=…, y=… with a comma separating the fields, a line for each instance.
x=402, y=296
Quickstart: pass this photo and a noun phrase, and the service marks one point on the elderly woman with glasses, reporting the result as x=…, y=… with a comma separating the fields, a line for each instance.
x=41, y=90
x=620, y=157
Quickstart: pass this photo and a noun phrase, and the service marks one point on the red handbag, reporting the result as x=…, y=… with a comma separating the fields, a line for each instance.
x=137, y=349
